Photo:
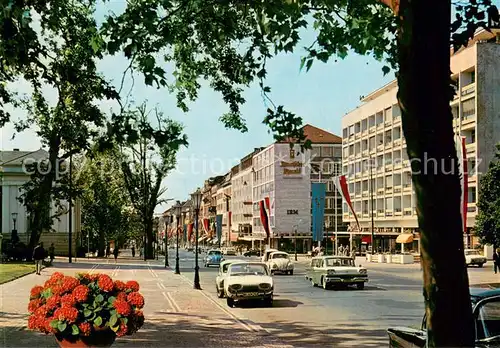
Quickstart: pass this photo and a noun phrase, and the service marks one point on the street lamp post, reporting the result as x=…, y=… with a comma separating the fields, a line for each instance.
x=178, y=209
x=14, y=237
x=166, y=244
x=196, y=201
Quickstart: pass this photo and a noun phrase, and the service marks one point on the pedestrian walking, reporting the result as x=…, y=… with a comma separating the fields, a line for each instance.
x=52, y=252
x=38, y=256
x=108, y=251
x=496, y=260
x=115, y=252
x=133, y=251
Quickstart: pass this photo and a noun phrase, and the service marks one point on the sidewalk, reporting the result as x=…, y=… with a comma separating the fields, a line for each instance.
x=176, y=314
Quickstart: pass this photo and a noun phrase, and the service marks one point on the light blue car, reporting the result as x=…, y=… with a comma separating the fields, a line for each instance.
x=213, y=258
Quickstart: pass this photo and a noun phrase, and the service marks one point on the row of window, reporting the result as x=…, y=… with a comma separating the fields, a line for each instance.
x=326, y=151
x=387, y=115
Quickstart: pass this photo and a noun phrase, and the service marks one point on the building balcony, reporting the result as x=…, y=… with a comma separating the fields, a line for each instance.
x=380, y=213
x=398, y=164
x=469, y=89
x=468, y=126
x=397, y=189
x=397, y=142
x=388, y=189
x=389, y=212
x=396, y=120
x=366, y=215
x=467, y=119
x=470, y=148
x=365, y=152
x=388, y=167
x=371, y=130
x=381, y=190
x=357, y=135
x=407, y=211
x=380, y=169
x=380, y=125
x=388, y=123
x=472, y=178
x=365, y=193
x=398, y=212
x=380, y=147
x=407, y=187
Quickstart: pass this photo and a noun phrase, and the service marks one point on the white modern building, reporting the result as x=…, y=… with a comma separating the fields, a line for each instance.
x=13, y=175
x=372, y=133
x=241, y=199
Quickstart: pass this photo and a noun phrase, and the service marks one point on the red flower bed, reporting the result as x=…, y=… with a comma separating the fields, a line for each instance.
x=70, y=307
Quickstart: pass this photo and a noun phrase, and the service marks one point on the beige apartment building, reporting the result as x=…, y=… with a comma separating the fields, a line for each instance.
x=372, y=133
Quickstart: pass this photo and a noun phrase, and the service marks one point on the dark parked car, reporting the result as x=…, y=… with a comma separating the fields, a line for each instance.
x=252, y=252
x=486, y=309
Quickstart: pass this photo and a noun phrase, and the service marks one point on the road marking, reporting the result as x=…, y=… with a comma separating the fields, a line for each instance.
x=115, y=271
x=93, y=268
x=171, y=301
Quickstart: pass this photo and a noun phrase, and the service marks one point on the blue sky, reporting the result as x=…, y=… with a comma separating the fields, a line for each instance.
x=321, y=96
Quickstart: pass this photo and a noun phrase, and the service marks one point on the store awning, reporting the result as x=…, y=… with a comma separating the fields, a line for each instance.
x=366, y=239
x=404, y=238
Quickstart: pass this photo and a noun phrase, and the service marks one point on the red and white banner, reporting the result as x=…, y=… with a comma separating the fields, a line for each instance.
x=464, y=178
x=341, y=185
x=190, y=231
x=206, y=226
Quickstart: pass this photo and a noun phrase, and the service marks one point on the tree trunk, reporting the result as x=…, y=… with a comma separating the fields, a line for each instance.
x=149, y=233
x=424, y=96
x=102, y=244
x=40, y=209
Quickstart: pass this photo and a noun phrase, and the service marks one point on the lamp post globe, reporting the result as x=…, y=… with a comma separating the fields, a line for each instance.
x=196, y=198
x=177, y=210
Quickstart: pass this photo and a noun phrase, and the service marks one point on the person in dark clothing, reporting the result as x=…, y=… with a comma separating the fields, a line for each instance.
x=52, y=252
x=115, y=253
x=38, y=256
x=496, y=260
x=108, y=251
x=133, y=251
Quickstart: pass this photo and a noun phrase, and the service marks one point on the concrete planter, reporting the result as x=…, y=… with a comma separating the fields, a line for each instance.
x=388, y=258
x=381, y=258
x=368, y=257
x=407, y=259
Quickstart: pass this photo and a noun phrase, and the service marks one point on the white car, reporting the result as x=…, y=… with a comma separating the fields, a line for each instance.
x=221, y=276
x=230, y=251
x=267, y=253
x=279, y=261
x=248, y=281
x=474, y=257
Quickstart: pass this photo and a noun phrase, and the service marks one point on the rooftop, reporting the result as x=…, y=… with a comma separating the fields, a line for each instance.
x=318, y=136
x=16, y=157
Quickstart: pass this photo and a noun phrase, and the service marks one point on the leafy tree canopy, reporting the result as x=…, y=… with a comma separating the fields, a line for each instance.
x=488, y=218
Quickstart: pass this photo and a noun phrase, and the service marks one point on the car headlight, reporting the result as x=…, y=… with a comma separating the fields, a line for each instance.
x=265, y=286
x=363, y=271
x=235, y=287
x=331, y=272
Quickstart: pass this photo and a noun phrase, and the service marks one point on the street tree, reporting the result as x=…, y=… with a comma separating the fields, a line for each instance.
x=107, y=212
x=488, y=217
x=229, y=43
x=64, y=89
x=148, y=154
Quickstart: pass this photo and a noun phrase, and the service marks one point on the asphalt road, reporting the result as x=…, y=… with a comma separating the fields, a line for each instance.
x=302, y=314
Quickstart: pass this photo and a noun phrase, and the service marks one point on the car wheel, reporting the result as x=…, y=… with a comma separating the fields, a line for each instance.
x=312, y=282
x=481, y=265
x=291, y=272
x=360, y=286
x=230, y=302
x=324, y=283
x=268, y=301
x=220, y=293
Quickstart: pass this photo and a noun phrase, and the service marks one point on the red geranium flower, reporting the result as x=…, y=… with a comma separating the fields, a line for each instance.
x=122, y=331
x=53, y=301
x=57, y=290
x=85, y=328
x=119, y=285
x=35, y=322
x=42, y=311
x=132, y=285
x=81, y=292
x=68, y=300
x=136, y=299
x=35, y=291
x=34, y=304
x=121, y=296
x=66, y=313
x=46, y=326
x=105, y=283
x=69, y=283
x=122, y=307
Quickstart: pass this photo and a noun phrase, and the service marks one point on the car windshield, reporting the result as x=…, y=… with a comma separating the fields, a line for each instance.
x=332, y=262
x=280, y=256
x=248, y=269
x=214, y=252
x=472, y=252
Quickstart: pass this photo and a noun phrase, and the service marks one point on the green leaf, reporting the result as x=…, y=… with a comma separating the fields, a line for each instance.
x=113, y=320
x=112, y=312
x=74, y=330
x=385, y=69
x=115, y=328
x=98, y=321
x=111, y=299
x=99, y=298
x=54, y=323
x=309, y=64
x=124, y=320
x=87, y=313
x=62, y=326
